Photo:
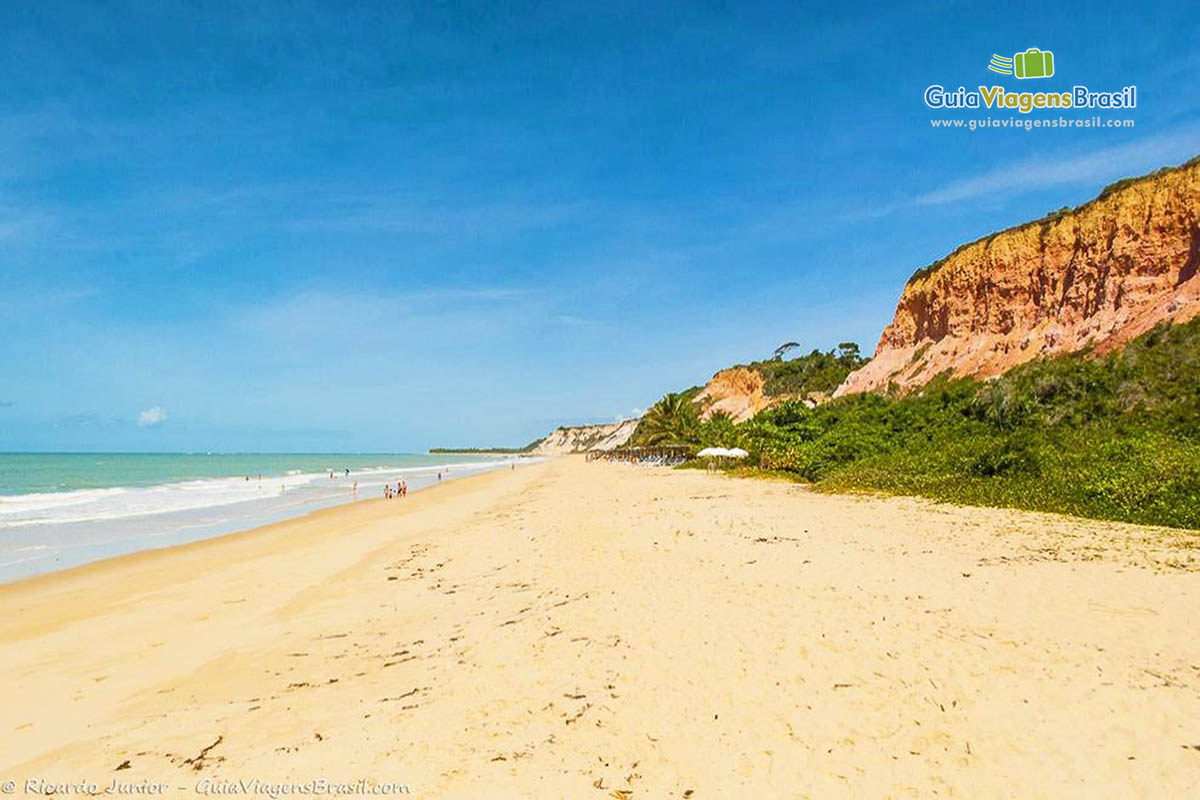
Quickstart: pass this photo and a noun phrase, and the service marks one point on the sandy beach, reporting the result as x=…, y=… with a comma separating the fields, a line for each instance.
x=578, y=630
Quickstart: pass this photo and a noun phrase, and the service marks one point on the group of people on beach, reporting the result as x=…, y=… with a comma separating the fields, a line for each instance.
x=400, y=491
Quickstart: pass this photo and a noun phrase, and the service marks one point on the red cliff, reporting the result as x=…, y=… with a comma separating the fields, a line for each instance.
x=1095, y=276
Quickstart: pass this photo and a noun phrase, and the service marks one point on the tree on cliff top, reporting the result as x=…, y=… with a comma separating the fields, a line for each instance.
x=785, y=348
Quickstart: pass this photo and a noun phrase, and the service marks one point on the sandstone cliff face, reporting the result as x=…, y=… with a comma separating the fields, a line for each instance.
x=737, y=391
x=1096, y=276
x=584, y=438
x=741, y=393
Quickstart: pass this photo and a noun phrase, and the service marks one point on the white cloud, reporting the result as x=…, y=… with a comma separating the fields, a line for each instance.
x=38, y=302
x=1127, y=160
x=151, y=417
x=574, y=321
x=388, y=215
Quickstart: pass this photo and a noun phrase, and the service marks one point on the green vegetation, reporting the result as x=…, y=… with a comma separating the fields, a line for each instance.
x=1113, y=437
x=815, y=372
x=485, y=450
x=672, y=420
x=784, y=349
x=675, y=419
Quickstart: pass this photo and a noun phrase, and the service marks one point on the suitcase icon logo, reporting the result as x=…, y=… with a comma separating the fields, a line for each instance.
x=1033, y=63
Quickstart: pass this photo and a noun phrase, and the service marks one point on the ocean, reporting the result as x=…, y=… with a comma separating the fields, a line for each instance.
x=59, y=510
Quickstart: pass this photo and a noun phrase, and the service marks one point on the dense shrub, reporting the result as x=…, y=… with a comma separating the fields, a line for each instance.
x=1113, y=437
x=816, y=372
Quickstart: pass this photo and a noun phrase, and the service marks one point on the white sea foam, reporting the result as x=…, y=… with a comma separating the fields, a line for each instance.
x=54, y=530
x=91, y=505
x=85, y=505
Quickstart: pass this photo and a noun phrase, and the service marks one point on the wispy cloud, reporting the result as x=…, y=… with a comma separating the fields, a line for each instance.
x=390, y=216
x=150, y=417
x=294, y=326
x=335, y=310
x=1046, y=172
x=576, y=321
x=30, y=301
x=1094, y=167
x=90, y=421
x=17, y=228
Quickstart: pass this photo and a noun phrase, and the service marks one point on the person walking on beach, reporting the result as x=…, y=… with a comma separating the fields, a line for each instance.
x=403, y=489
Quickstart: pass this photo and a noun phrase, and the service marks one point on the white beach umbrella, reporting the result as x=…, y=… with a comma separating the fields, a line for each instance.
x=713, y=452
x=737, y=452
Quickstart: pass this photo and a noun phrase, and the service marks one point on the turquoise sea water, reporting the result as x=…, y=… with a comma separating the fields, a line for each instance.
x=28, y=473
x=63, y=509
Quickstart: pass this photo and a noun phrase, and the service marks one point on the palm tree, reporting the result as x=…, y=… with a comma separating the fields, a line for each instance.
x=719, y=430
x=671, y=420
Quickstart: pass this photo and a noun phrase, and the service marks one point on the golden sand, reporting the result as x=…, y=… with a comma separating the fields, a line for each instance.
x=587, y=630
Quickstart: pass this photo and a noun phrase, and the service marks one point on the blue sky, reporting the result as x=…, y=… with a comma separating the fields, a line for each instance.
x=386, y=226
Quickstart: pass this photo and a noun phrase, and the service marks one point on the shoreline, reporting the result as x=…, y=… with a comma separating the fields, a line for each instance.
x=437, y=451
x=266, y=529
x=581, y=628
x=45, y=533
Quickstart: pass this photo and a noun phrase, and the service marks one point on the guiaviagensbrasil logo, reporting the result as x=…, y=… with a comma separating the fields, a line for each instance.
x=1033, y=63
x=1030, y=63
